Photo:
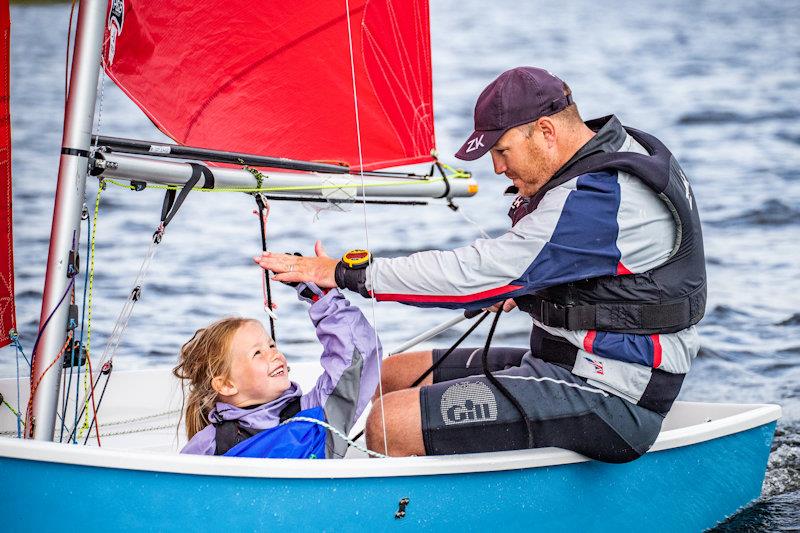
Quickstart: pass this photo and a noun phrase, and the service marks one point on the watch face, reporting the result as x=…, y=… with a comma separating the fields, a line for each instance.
x=356, y=258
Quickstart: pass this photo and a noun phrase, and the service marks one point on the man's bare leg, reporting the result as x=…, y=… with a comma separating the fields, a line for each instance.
x=403, y=424
x=400, y=371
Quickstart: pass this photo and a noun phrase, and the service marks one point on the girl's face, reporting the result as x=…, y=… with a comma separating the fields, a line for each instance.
x=259, y=373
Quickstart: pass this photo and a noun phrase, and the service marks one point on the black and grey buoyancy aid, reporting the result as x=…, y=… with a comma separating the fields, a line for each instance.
x=665, y=299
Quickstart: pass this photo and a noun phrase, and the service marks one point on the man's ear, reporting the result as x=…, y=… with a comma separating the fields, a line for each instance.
x=224, y=386
x=548, y=128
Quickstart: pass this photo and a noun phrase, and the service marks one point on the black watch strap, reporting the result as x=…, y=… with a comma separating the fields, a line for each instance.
x=354, y=280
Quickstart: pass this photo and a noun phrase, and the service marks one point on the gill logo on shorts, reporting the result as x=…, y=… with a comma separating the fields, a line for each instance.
x=474, y=144
x=468, y=402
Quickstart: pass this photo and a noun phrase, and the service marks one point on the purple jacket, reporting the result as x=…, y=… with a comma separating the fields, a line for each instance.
x=350, y=358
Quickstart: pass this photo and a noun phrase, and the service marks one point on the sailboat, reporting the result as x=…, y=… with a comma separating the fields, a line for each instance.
x=243, y=104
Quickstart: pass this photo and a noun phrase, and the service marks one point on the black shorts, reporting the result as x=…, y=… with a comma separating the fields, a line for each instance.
x=463, y=412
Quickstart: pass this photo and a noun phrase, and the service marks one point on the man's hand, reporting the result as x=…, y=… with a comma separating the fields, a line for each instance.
x=506, y=306
x=293, y=268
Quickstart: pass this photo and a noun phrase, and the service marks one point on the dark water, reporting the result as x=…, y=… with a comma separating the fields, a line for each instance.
x=718, y=82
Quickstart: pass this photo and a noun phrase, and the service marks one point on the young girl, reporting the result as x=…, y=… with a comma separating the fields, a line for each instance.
x=240, y=392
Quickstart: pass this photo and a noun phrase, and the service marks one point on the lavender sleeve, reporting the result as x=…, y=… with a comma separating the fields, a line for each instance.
x=350, y=358
x=203, y=442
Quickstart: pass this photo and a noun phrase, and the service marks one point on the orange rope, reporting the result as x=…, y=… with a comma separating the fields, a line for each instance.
x=59, y=357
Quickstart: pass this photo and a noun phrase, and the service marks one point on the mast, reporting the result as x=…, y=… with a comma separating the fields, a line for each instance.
x=65, y=230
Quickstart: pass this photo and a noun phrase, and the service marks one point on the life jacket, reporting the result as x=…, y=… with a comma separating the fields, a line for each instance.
x=301, y=439
x=665, y=299
x=229, y=433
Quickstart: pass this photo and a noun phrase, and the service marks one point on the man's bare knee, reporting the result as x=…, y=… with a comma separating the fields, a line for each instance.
x=395, y=426
x=401, y=370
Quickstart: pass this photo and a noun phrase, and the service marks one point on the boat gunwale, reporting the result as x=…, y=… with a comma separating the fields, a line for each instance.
x=756, y=415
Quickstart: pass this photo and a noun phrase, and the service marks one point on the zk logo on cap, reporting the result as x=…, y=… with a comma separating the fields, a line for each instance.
x=474, y=144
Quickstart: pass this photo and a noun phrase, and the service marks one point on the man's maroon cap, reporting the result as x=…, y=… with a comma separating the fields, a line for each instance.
x=516, y=97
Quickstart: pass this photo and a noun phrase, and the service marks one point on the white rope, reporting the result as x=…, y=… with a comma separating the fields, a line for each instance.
x=336, y=432
x=131, y=431
x=141, y=418
x=127, y=310
x=366, y=227
x=483, y=233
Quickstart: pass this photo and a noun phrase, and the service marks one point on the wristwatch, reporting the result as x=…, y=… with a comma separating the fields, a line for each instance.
x=356, y=259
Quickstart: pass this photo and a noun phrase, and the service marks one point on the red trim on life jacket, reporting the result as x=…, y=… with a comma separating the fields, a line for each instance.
x=656, y=350
x=588, y=341
x=434, y=298
x=622, y=270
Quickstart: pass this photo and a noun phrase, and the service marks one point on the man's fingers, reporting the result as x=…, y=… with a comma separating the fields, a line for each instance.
x=276, y=262
x=289, y=277
x=509, y=305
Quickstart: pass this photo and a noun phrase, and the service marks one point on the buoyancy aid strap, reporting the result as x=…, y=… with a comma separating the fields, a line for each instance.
x=628, y=317
x=229, y=433
x=658, y=396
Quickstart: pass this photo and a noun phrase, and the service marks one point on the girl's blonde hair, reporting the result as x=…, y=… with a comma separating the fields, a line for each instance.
x=205, y=356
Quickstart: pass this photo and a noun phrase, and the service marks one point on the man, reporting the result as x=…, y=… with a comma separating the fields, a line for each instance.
x=605, y=252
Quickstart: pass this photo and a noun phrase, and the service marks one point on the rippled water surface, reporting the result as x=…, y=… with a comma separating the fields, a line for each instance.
x=718, y=82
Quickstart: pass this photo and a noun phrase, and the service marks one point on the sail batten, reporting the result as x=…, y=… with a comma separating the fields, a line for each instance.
x=275, y=78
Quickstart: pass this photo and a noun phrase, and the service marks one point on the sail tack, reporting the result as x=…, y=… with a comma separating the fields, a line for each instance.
x=275, y=78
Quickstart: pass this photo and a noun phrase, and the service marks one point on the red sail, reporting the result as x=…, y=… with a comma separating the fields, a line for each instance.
x=275, y=78
x=7, y=311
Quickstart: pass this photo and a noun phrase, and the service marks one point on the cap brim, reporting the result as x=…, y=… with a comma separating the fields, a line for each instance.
x=478, y=144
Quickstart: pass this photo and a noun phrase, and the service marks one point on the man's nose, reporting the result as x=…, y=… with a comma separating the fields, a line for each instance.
x=499, y=164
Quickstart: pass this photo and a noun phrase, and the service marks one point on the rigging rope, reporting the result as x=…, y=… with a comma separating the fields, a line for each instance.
x=15, y=341
x=263, y=217
x=14, y=336
x=106, y=370
x=444, y=356
x=364, y=198
x=173, y=200
x=88, y=377
x=87, y=280
x=336, y=432
x=496, y=382
x=42, y=327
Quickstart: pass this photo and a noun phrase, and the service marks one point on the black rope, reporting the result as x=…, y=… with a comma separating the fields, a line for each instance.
x=68, y=392
x=261, y=208
x=450, y=350
x=107, y=368
x=500, y=386
x=446, y=193
x=436, y=364
x=73, y=433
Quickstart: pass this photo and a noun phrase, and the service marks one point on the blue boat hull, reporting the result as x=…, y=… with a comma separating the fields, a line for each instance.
x=689, y=488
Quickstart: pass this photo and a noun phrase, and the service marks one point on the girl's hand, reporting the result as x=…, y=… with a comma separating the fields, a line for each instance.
x=293, y=268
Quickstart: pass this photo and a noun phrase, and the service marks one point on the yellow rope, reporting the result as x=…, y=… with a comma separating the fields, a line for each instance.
x=16, y=413
x=457, y=173
x=85, y=425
